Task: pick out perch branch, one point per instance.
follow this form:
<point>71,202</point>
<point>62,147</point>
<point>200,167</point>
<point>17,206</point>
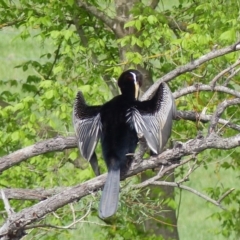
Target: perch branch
<point>34,213</point>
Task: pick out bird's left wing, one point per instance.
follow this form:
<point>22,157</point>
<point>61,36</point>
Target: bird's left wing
<point>153,118</point>
<point>87,126</point>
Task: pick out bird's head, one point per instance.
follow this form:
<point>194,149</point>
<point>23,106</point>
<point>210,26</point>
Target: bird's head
<point>129,82</point>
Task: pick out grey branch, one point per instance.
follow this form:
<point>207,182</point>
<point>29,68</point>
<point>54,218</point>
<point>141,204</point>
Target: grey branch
<point>31,194</point>
<point>50,145</point>
<point>196,116</point>
<point>229,69</point>
<point>220,108</point>
<point>190,66</point>
<point>29,215</point>
<point>203,87</point>
<point>173,184</point>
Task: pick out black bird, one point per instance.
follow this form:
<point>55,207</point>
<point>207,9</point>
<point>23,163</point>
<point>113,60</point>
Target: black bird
<point>119,123</point>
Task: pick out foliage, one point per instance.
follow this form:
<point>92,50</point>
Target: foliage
<point>82,52</point>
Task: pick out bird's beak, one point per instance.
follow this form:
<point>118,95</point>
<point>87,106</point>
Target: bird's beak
<point>136,89</point>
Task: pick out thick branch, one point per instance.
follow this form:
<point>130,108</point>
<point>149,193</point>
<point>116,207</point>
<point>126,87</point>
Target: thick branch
<point>36,212</point>
<point>31,194</point>
<point>190,66</point>
<point>50,145</point>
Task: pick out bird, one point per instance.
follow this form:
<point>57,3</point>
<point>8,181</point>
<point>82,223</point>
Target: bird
<point>119,123</point>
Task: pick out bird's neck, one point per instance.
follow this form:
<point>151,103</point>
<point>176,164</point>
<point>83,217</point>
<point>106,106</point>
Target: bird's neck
<point>129,97</point>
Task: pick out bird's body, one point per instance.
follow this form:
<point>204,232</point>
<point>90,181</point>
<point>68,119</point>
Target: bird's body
<point>118,124</point>
<point>118,136</point>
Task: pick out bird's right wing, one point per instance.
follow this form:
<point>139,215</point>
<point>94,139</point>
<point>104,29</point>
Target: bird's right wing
<point>87,125</point>
<point>153,118</point>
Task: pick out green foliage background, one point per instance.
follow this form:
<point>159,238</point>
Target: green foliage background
<point>44,62</point>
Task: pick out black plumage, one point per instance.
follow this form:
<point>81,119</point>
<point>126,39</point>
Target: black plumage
<point>118,123</point>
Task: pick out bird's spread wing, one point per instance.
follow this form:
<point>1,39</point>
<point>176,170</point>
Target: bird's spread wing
<point>153,118</point>
<point>87,125</point>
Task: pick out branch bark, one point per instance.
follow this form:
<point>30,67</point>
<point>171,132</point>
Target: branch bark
<point>50,145</point>
<point>190,66</point>
<point>29,215</point>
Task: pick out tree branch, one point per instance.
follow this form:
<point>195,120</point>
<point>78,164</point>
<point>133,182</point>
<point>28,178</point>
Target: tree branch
<point>202,87</point>
<point>50,145</point>
<point>97,13</point>
<point>220,108</point>
<point>190,66</point>
<point>229,69</point>
<point>29,215</point>
<point>173,184</point>
<point>195,116</point>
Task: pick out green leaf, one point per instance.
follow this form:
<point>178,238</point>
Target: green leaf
<point>73,155</point>
<point>49,94</point>
<point>129,24</point>
<point>138,24</point>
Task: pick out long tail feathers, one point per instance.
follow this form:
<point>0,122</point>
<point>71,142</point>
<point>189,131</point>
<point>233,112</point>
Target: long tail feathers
<point>109,200</point>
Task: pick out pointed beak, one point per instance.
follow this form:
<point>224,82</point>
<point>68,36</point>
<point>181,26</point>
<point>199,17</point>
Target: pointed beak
<point>136,89</point>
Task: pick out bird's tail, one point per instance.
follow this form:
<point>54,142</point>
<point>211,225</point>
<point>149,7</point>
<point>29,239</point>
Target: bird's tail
<point>109,200</point>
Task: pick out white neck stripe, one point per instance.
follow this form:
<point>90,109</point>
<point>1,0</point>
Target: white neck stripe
<point>134,77</point>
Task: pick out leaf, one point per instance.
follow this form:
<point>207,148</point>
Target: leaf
<point>129,24</point>
<point>138,24</point>
<point>49,94</point>
<point>152,19</point>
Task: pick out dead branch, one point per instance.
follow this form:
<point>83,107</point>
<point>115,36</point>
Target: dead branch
<point>190,66</point>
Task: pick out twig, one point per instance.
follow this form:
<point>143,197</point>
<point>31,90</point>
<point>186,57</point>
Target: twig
<point>173,184</point>
<point>7,206</point>
<point>215,79</point>
<point>160,174</point>
<point>220,108</point>
<point>231,76</point>
<point>225,195</point>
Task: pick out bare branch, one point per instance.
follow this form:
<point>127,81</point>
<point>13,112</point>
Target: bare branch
<point>225,195</point>
<point>229,69</point>
<point>29,215</point>
<point>7,206</point>
<point>203,87</point>
<point>220,108</point>
<point>235,72</point>
<point>173,184</point>
<point>50,145</point>
<point>190,66</point>
<point>195,116</point>
<point>31,194</point>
